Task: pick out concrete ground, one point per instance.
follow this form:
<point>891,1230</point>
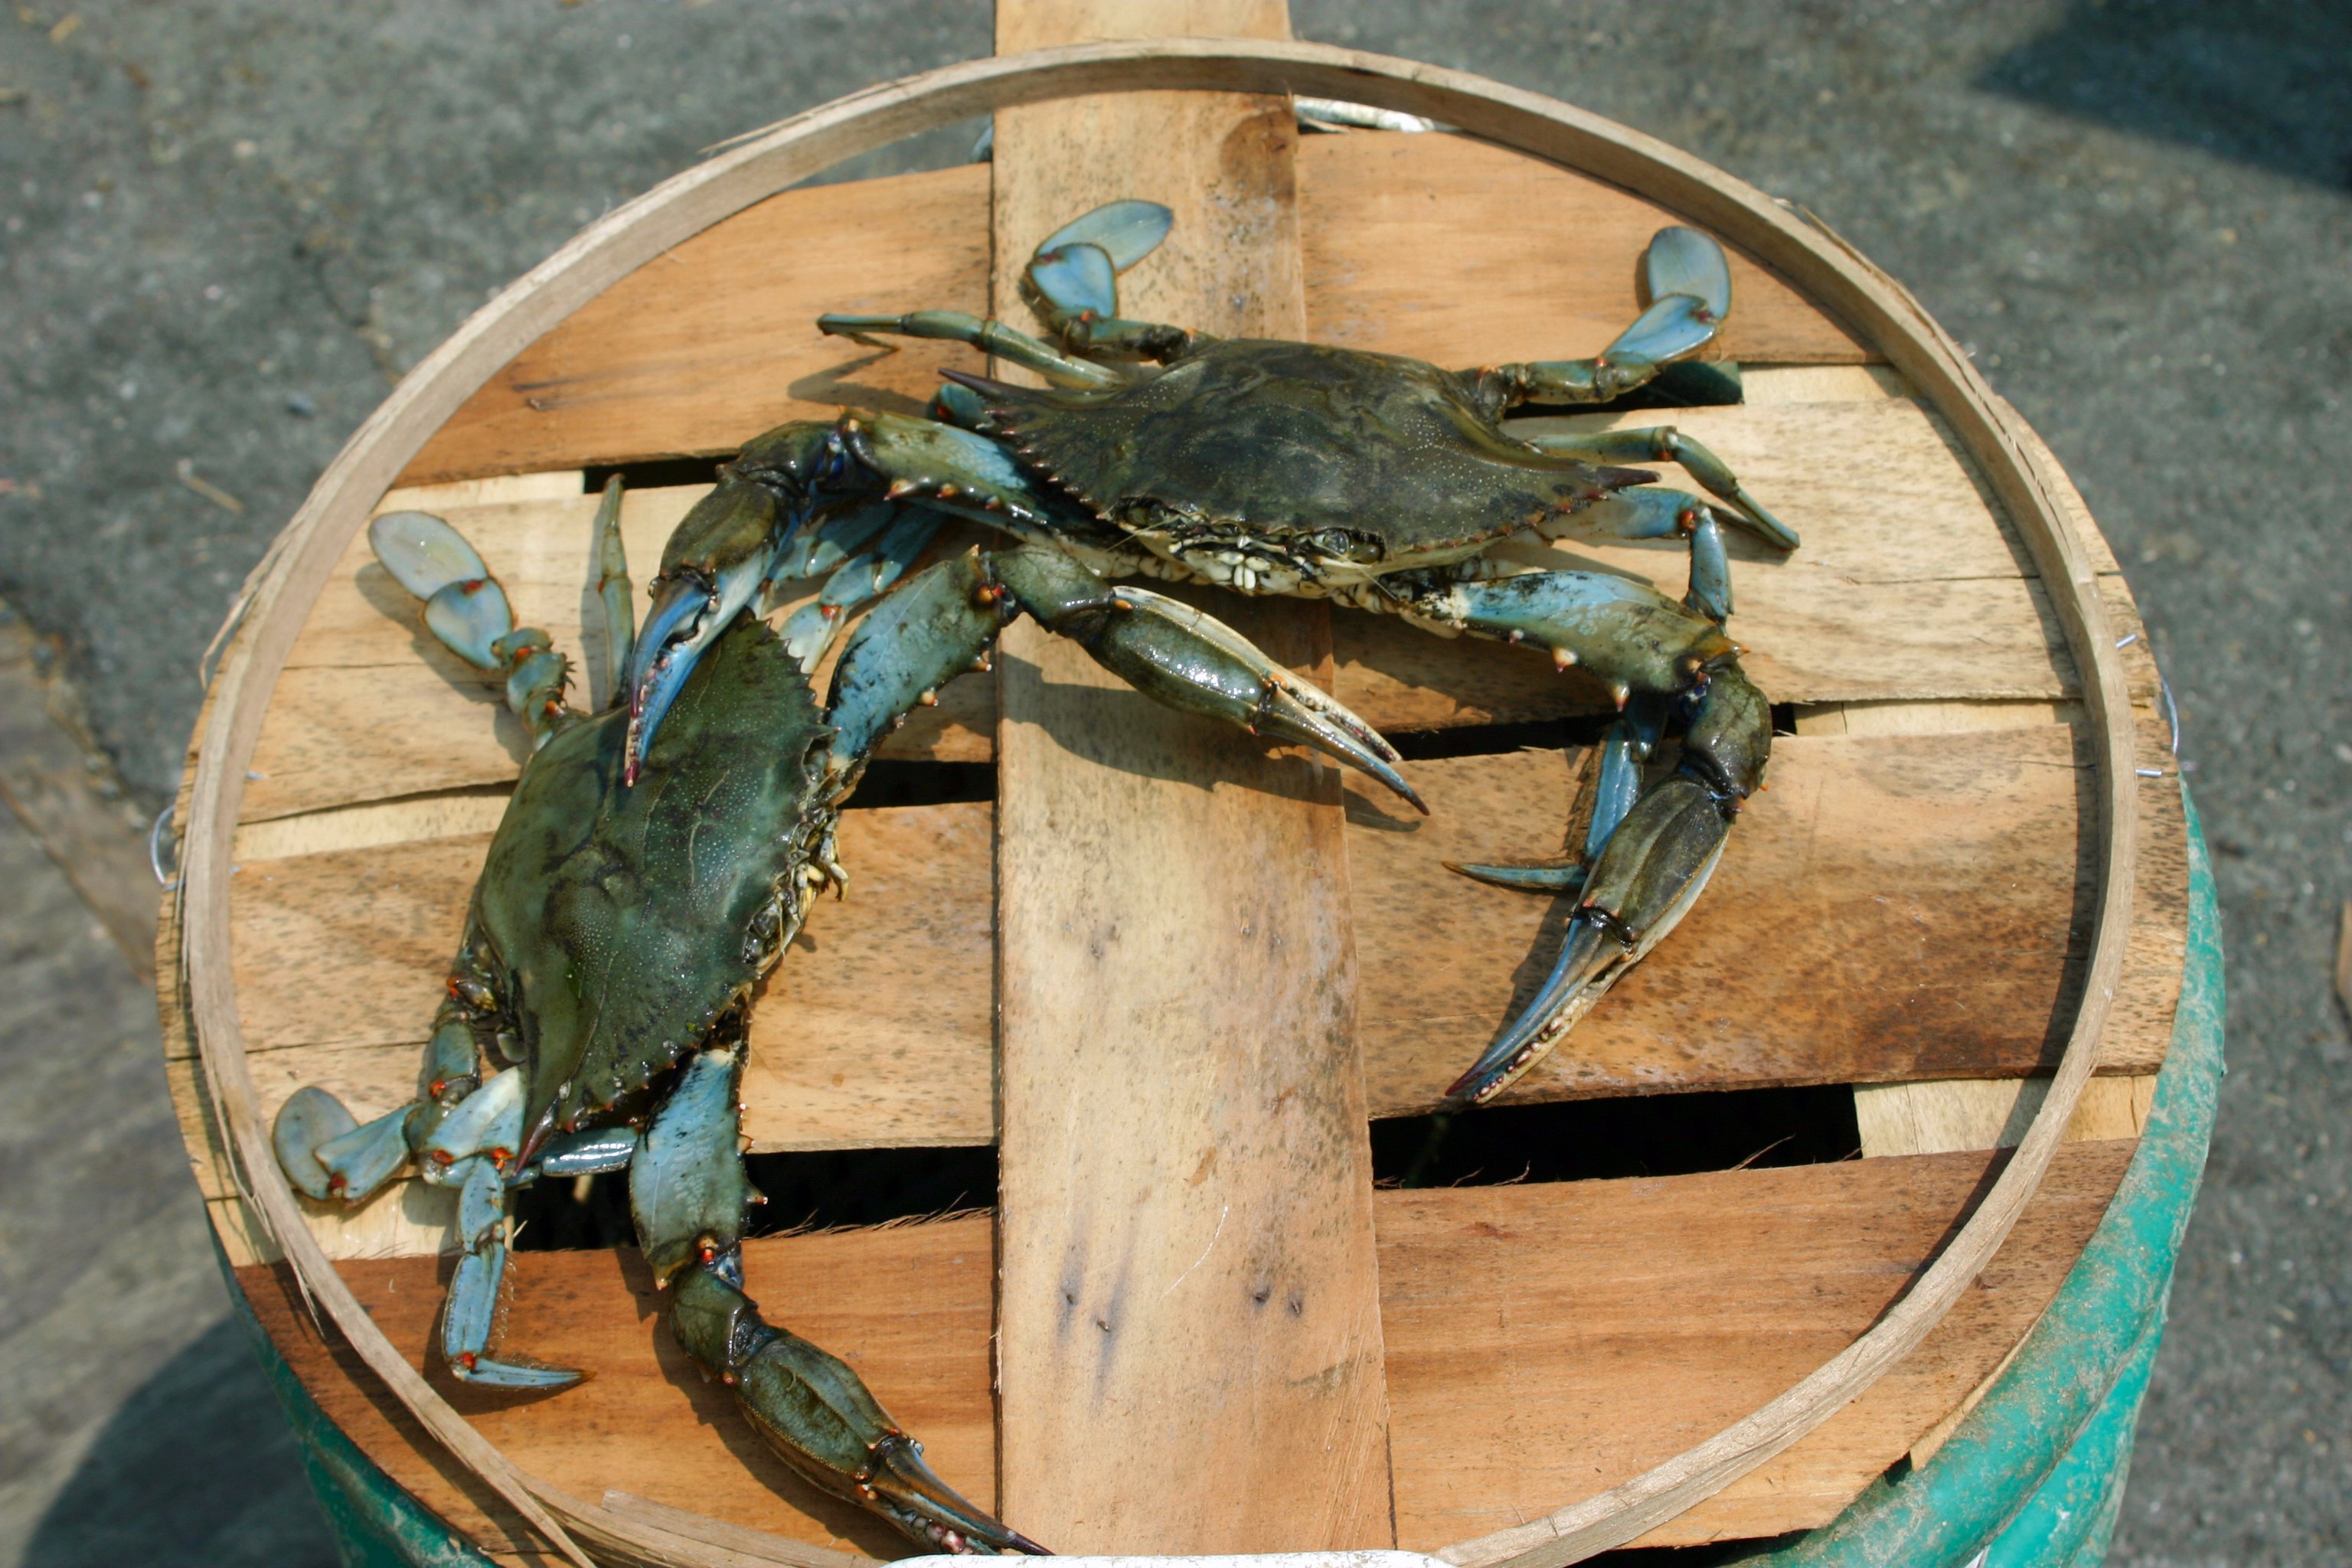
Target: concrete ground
<point>228,226</point>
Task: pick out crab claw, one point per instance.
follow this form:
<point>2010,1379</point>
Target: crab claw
<point>1192,661</point>
<point>712,568</point>
<point>817,1416</point>
<point>1188,659</point>
<point>1646,875</point>
<point>926,1506</point>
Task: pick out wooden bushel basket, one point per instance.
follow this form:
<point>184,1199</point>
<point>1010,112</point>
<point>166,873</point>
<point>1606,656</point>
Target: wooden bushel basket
<point>1171,977</point>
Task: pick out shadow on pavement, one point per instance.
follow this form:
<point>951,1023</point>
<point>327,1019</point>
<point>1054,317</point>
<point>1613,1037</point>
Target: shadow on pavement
<point>198,1466</point>
<point>2261,84</point>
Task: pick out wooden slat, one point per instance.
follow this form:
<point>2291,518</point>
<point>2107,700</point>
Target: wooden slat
<point>716,342</point>
<point>1908,587</point>
<point>1990,1113</point>
<point>604,254</point>
<point>908,1308</point>
<point>1464,253</point>
<point>372,706</point>
<point>1611,1319</point>
<point>1897,948</point>
<point>1188,1319</point>
<point>1546,1343</point>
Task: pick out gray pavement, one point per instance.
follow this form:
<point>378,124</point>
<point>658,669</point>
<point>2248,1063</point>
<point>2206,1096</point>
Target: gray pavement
<point>226,228</point>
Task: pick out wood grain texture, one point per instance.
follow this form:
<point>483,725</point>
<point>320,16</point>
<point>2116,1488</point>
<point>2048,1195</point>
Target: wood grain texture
<point>1510,258</point>
<point>1910,587</point>
<point>908,1308</point>
<point>1188,1311</point>
<point>1620,1321</point>
<point>705,347</point>
<point>372,706</point>
<point>1894,954</point>
<point>1613,1319</point>
<point>610,248</point>
<point>1989,1113</point>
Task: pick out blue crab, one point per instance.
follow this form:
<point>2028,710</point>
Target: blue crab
<point>659,855</point>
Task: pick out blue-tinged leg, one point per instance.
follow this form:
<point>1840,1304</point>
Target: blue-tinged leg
<point>466,610</point>
<point>1652,513</point>
<point>1072,282</point>
<point>991,336</point>
<point>689,1193</point>
<point>828,540</point>
<point>1649,859</point>
<point>1690,285</point>
<point>478,1137</point>
<point>860,580</point>
<point>612,587</point>
<point>754,523</point>
<point>469,1321</point>
<point>1664,444</point>
<point>326,1154</point>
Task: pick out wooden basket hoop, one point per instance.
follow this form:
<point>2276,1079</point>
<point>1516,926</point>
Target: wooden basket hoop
<point>758,166</point>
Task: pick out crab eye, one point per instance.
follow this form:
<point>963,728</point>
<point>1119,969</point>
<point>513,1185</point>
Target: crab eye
<point>1340,544</point>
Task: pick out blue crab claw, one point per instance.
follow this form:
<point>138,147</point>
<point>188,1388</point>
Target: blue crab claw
<point>688,613</point>
<point>1189,660</point>
<point>1647,878</point>
<point>817,1416</point>
<point>1125,232</point>
<point>1684,261</point>
<point>1526,877</point>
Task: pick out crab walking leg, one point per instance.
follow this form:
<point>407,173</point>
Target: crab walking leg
<point>982,333</point>
<point>1072,282</point>
<point>470,1144</point>
<point>613,586</point>
<point>788,494</point>
<point>860,580</point>
<point>466,610</point>
<point>1664,444</point>
<point>1689,286</point>
<point>324,1151</point>
<point>689,1193</point>
<point>1653,513</point>
<point>1645,868</point>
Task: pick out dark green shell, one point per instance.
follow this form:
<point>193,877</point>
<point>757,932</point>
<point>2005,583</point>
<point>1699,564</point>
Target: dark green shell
<point>618,918</point>
<point>1288,438</point>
